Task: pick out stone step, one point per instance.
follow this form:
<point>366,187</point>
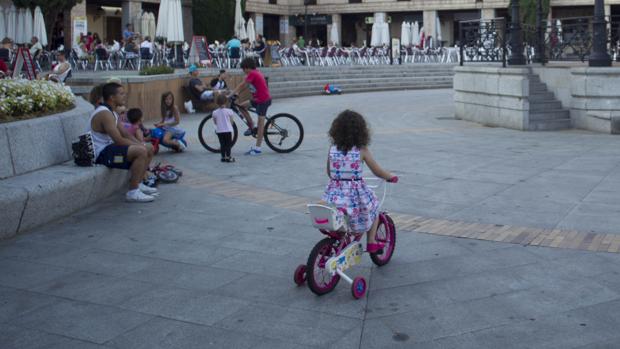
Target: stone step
<point>544,105</point>
<point>541,96</point>
<point>346,82</point>
<point>550,125</point>
<point>359,76</point>
<point>357,89</point>
<point>557,114</point>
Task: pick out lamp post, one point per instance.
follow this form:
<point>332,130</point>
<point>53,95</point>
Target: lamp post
<point>599,56</point>
<point>516,36</point>
<point>306,2</point>
<point>540,34</point>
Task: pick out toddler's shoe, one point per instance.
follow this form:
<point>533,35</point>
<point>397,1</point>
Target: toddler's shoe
<point>375,248</point>
<point>253,152</point>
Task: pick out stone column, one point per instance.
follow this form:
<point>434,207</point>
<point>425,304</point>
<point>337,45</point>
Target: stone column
<point>429,18</point>
<point>131,8</point>
<point>380,17</point>
<point>78,11</point>
<point>259,23</point>
<point>336,21</point>
<point>287,31</point>
<point>487,13</point>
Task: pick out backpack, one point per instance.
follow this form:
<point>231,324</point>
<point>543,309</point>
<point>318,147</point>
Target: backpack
<point>84,151</point>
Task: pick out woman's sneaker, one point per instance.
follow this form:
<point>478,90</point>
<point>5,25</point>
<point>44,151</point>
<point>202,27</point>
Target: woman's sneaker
<point>138,196</point>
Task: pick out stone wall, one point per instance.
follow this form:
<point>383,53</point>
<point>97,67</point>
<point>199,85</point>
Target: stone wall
<point>493,96</point>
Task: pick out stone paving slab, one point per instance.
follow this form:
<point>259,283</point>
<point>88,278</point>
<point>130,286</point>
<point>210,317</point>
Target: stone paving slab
<point>210,263</point>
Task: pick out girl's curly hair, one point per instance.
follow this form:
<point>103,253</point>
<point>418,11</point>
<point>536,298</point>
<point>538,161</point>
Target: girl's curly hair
<point>349,130</point>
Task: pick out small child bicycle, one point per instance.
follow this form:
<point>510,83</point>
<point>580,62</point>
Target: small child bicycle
<point>342,249</point>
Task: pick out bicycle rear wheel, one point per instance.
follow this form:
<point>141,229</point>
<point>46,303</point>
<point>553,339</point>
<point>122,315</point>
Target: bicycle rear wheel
<point>320,281</point>
<point>208,137</point>
<point>283,133</point>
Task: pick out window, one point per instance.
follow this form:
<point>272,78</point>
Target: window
<point>273,2</point>
<point>355,1</point>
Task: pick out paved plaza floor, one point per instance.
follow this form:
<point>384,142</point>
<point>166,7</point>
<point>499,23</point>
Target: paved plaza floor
<point>210,263</point>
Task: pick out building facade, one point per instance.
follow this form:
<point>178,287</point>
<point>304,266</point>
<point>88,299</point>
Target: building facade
<point>108,18</point>
<point>284,19</point>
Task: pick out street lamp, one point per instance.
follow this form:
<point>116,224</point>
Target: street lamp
<point>540,36</point>
<point>516,36</point>
<point>599,56</point>
<point>306,3</point>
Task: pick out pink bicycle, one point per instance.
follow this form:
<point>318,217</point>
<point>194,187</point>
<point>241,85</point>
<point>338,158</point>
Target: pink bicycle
<point>342,249</point>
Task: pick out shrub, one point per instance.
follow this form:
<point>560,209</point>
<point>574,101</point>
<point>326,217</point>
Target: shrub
<point>159,70</point>
<point>24,99</point>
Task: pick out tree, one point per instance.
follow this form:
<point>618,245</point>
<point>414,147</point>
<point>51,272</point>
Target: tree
<point>215,18</point>
<point>50,8</point>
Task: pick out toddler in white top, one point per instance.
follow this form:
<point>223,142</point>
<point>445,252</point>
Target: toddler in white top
<point>223,119</point>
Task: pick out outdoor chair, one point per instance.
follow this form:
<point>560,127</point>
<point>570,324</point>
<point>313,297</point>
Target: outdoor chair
<point>102,59</point>
<point>146,57</point>
<point>128,60</point>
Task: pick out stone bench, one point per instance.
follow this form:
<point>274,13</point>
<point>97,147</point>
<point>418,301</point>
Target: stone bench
<point>38,180</point>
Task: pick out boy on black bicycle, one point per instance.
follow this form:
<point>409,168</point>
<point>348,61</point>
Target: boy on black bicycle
<point>261,100</point>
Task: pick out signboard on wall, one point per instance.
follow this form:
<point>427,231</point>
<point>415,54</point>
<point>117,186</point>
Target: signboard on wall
<point>312,20</point>
<point>80,27</point>
<point>284,26</point>
<point>371,20</point>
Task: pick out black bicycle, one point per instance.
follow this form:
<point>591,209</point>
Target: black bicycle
<point>283,132</point>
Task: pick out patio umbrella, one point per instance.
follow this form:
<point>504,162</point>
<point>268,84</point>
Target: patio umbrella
<point>144,24</point>
<point>251,31</point>
<point>375,36</point>
<point>11,23</point>
<point>39,27</point>
<point>385,34</point>
<point>2,23</point>
<point>335,39</point>
<point>438,31</point>
<point>152,25</point>
<point>558,24</point>
<point>405,34</point>
<point>170,23</point>
<point>415,34</point>
<point>28,24</point>
<point>244,33</point>
<point>239,21</point>
<point>137,23</point>
<point>19,29</point>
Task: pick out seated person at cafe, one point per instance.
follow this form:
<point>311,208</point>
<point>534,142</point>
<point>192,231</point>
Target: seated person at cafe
<point>197,87</point>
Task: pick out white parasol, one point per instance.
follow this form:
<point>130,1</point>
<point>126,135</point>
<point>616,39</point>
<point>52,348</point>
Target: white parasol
<point>244,33</point>
<point>39,27</point>
<point>28,24</point>
<point>251,31</point>
<point>405,34</point>
<point>375,37</point>
<point>385,34</point>
<point>558,24</point>
<point>438,32</point>
<point>2,23</point>
<point>335,39</point>
<point>11,23</point>
<point>152,25</point>
<point>170,24</point>
<point>144,24</point>
<point>415,34</point>
<point>239,21</point>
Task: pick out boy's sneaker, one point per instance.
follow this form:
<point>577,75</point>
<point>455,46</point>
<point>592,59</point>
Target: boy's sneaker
<point>150,182</point>
<point>253,152</point>
<point>146,189</point>
<point>138,196</point>
<point>182,144</point>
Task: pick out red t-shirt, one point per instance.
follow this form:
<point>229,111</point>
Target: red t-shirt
<point>258,86</point>
<point>3,67</point>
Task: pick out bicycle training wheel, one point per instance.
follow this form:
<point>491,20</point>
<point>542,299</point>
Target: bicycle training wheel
<point>386,234</point>
<point>320,281</point>
<point>208,137</point>
<point>283,133</point>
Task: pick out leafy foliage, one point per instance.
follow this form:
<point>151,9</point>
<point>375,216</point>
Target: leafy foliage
<point>215,18</point>
<point>528,11</point>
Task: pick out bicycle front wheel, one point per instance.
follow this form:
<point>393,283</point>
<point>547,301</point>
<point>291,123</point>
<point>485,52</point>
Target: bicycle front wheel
<point>208,137</point>
<point>283,133</point>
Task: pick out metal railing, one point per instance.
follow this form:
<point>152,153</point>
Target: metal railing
<point>483,41</point>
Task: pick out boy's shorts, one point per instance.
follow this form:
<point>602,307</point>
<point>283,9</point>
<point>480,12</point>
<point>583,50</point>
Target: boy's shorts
<point>261,108</point>
<point>114,156</point>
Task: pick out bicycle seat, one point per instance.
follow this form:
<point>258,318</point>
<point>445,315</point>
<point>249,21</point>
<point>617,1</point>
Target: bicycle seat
<point>327,217</point>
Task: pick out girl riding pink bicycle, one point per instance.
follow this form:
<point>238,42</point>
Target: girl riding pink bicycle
<point>351,210</point>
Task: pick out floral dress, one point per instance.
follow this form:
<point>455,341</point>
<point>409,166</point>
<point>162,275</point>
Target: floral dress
<point>347,189</point>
